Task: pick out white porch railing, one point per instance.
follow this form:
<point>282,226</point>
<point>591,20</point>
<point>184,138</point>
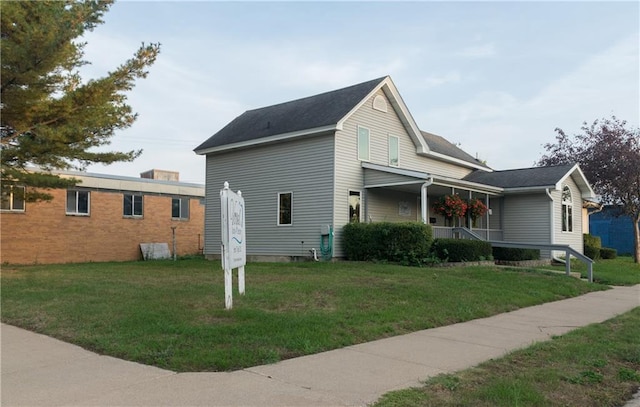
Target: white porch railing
<point>442,232</point>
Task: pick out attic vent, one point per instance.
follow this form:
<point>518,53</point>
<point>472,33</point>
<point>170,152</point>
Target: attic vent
<point>380,104</point>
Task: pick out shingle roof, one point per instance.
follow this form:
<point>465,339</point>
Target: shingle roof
<point>307,113</point>
<point>440,145</point>
<point>521,178</point>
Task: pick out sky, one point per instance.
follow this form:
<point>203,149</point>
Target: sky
<point>495,78</point>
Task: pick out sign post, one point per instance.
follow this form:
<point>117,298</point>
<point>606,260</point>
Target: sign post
<point>233,250</point>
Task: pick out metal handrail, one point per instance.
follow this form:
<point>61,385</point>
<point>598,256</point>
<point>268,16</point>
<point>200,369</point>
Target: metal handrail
<point>569,251</point>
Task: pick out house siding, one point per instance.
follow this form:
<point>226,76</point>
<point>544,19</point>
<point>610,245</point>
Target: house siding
<point>526,218</point>
<point>350,174</point>
<point>303,167</point>
<point>384,206</point>
<point>45,234</point>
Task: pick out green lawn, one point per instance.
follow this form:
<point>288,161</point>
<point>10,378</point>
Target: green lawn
<point>171,314</point>
<point>619,271</point>
<point>595,366</point>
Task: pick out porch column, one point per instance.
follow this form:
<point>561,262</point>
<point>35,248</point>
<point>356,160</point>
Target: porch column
<point>424,201</point>
<point>486,202</point>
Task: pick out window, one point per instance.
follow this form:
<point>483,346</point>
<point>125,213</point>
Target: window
<point>567,210</point>
<point>285,208</point>
<point>354,206</point>
<point>394,151</point>
<point>77,202</point>
<point>12,198</point>
<point>363,144</point>
<point>132,205</point>
<point>180,208</point>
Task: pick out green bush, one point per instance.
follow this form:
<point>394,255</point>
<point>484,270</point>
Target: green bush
<point>592,252</point>
<point>457,250</point>
<point>515,254</point>
<point>608,253</point>
<point>591,240</point>
<point>407,243</point>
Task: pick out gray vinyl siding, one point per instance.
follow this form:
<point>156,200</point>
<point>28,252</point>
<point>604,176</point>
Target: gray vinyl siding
<point>574,238</point>
<point>527,218</point>
<point>348,170</point>
<point>384,206</point>
<point>304,167</point>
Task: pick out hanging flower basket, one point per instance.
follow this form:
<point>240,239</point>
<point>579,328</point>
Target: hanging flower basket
<point>476,209</point>
<point>450,206</point>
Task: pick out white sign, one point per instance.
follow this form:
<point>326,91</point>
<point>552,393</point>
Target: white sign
<point>233,250</point>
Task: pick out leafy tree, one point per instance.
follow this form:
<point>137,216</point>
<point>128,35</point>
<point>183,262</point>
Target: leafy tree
<point>51,119</point>
<point>609,154</point>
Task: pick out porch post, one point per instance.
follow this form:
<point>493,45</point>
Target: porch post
<point>424,201</point>
<point>486,202</point>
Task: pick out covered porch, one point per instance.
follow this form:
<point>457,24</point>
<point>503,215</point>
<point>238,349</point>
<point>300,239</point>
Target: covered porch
<point>395,195</point>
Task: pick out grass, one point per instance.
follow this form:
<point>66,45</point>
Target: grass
<point>619,271</point>
<point>598,365</point>
<point>171,314</point>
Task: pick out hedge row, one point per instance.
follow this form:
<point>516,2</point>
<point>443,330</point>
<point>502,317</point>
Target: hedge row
<point>457,250</point>
<point>515,254</point>
<point>407,243</point>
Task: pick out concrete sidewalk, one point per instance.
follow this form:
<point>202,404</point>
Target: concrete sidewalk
<point>41,371</point>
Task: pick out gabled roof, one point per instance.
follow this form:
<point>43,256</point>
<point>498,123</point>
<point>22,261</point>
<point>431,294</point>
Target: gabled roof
<point>327,112</point>
<point>439,145</point>
<point>533,178</point>
<point>310,113</point>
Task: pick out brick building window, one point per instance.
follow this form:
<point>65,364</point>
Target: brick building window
<point>77,202</point>
<point>12,198</point>
<point>132,206</point>
<point>180,208</point>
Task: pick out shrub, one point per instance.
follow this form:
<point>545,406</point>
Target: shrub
<point>407,243</point>
<point>591,240</point>
<point>592,252</point>
<point>608,253</point>
<point>456,250</point>
<point>515,254</point>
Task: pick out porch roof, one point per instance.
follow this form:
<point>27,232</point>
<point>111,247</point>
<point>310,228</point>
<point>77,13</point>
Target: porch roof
<point>380,176</point>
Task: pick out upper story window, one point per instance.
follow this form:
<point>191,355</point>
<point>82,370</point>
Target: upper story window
<point>363,144</point>
<point>180,208</point>
<point>77,202</point>
<point>285,209</point>
<point>394,151</point>
<point>132,205</point>
<point>12,198</point>
<point>567,210</point>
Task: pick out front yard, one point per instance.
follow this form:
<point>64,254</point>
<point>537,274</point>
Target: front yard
<point>171,314</point>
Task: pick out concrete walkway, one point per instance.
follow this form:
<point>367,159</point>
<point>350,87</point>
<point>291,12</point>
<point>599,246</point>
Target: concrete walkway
<point>41,371</point>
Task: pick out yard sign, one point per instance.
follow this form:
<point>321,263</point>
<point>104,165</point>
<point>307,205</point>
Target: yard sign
<point>234,253</point>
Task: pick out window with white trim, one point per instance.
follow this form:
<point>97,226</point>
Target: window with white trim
<point>355,203</point>
<point>12,198</point>
<point>285,209</point>
<point>132,205</point>
<point>394,151</point>
<point>180,208</point>
<point>363,144</point>
<point>567,210</point>
<point>77,202</point>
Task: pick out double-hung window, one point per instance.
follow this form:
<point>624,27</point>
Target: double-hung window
<point>77,202</point>
<point>12,198</point>
<point>394,151</point>
<point>285,209</point>
<point>567,210</point>
<point>180,208</point>
<point>364,153</point>
<point>132,205</point>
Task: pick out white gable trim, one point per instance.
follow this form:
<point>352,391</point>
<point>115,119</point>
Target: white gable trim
<point>399,107</point>
<point>586,191</point>
<point>457,161</point>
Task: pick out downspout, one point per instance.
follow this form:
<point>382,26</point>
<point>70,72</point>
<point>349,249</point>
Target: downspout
<point>423,199</point>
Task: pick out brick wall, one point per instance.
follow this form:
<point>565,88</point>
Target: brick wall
<point>43,233</point>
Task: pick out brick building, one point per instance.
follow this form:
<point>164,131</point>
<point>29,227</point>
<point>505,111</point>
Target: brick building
<point>103,218</point>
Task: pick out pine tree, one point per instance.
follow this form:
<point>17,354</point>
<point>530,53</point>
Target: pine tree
<point>51,118</point>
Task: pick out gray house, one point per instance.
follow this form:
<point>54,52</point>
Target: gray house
<point>308,167</point>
